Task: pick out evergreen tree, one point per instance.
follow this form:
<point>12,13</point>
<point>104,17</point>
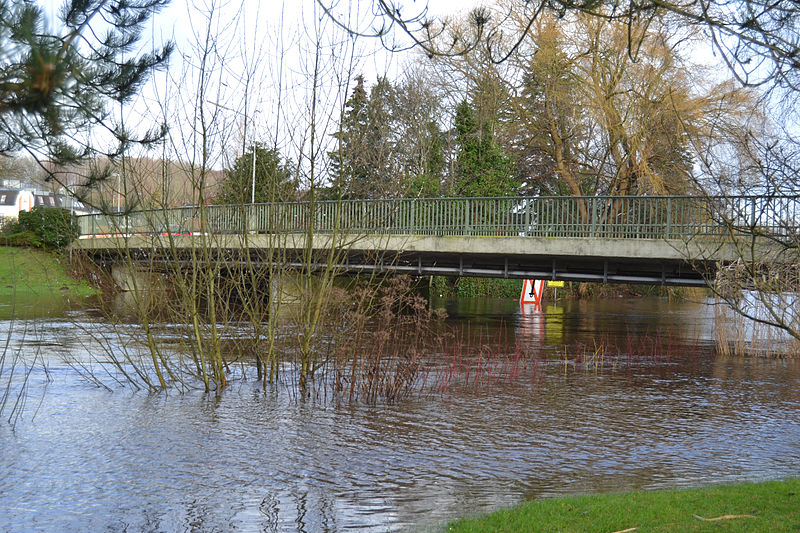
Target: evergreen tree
<point>418,146</point>
<point>427,182</point>
<point>482,167</point>
<point>347,166</point>
<point>274,181</point>
<point>362,165</point>
<point>57,87</point>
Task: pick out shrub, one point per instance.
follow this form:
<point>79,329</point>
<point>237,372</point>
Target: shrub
<point>13,236</point>
<point>54,228</point>
<point>476,287</point>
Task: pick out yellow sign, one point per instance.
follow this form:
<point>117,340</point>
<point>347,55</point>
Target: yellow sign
<point>555,283</point>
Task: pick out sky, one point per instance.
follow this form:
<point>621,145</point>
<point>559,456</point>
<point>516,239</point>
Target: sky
<point>250,67</point>
<point>259,83</point>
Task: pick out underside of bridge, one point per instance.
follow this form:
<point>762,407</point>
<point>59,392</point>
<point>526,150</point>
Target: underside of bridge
<point>587,269</point>
<point>640,262</point>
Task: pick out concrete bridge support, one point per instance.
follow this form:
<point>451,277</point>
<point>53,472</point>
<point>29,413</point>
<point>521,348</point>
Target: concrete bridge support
<point>289,289</point>
<point>130,279</point>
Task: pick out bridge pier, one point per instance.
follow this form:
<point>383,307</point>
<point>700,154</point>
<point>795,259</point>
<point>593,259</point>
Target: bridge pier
<point>131,279</point>
<point>288,289</point>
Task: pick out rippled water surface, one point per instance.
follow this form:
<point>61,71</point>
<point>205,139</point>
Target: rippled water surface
<point>85,458</point>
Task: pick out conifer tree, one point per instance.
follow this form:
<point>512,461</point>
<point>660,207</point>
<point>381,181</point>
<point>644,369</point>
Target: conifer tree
<point>362,165</point>
<point>274,181</point>
<point>58,88</point>
<point>347,166</point>
<point>483,168</point>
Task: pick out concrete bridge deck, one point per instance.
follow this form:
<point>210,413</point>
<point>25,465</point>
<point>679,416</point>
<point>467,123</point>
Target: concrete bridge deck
<point>655,240</point>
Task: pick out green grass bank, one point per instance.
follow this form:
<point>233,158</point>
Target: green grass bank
<point>768,507</point>
<point>30,272</point>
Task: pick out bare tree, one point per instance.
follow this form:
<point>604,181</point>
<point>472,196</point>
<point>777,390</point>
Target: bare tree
<point>758,40</point>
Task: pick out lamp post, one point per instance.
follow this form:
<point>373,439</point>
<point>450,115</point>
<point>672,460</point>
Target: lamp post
<point>253,189</point>
<point>253,144</point>
<point>253,141</point>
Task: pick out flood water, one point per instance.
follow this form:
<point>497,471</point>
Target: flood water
<point>659,412</point>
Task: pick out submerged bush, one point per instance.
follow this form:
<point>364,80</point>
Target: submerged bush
<point>476,287</point>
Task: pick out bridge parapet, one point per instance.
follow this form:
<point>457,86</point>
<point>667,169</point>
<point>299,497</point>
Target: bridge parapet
<point>661,240</point>
<point>603,217</point>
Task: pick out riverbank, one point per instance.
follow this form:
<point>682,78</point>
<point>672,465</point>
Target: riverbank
<point>29,272</point>
<point>769,506</point>
<point>450,287</point>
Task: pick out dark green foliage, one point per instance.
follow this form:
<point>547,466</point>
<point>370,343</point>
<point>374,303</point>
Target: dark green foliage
<point>42,227</point>
<point>57,85</point>
<point>423,186</point>
<point>362,164</point>
<point>476,287</point>
<point>12,236</point>
<point>349,167</point>
<point>483,168</point>
<point>275,181</point>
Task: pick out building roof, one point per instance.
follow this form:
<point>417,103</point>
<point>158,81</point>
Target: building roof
<point>9,196</point>
<point>47,200</point>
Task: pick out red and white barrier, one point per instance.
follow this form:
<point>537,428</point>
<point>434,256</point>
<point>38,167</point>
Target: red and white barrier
<point>532,290</point>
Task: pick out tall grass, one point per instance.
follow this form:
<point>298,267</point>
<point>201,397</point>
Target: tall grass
<point>483,361</point>
<point>737,335</point>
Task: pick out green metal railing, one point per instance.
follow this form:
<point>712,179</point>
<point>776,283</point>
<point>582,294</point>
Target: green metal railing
<point>629,217</point>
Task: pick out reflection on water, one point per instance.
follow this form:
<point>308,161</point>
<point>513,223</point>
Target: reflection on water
<point>26,304</point>
<point>250,459</point>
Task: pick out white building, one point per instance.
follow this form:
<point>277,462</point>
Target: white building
<point>12,201</point>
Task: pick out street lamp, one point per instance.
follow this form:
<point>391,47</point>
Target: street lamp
<point>253,144</point>
<point>253,140</point>
<point>253,189</point>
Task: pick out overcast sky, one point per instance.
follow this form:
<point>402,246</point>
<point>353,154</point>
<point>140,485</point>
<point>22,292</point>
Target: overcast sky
<point>261,64</point>
<point>276,42</point>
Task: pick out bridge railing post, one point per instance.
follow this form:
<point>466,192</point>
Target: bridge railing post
<point>411,220</point>
<point>527,219</point>
<point>468,217</point>
<point>668,231</point>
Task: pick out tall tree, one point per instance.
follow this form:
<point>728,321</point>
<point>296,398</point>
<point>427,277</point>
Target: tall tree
<point>418,148</point>
<point>274,181</point>
<point>546,120</point>
<point>482,167</point>
<point>363,164</point>
<point>644,111</point>
<point>588,120</point>
<point>56,88</point>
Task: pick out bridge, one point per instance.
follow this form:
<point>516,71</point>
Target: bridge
<point>666,240</point>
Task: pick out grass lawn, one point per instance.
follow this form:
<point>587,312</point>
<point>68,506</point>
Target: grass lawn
<point>37,273</point>
<point>769,506</point>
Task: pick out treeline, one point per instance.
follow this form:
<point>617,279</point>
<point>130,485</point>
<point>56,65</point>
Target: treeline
<point>585,106</point>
